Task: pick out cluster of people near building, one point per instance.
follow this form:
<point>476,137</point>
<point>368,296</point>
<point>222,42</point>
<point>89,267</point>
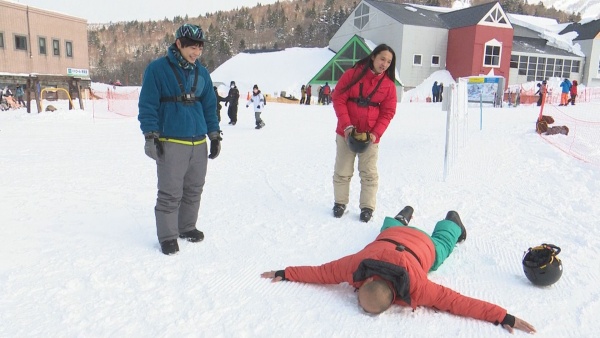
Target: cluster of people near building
<point>10,100</point>
<point>436,91</point>
<point>568,92</point>
<point>324,94</point>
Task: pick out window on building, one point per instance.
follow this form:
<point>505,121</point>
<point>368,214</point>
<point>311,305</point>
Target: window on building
<point>69,49</point>
<point>523,59</point>
<point>492,54</point>
<point>1,40</point>
<point>514,61</point>
<point>361,16</point>
<point>575,67</point>
<point>435,60</point>
<point>42,44</point>
<point>417,60</point>
<point>55,47</point>
<point>20,42</point>
<point>497,17</point>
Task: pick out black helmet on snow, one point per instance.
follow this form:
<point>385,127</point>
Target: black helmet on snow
<point>359,142</point>
<point>541,265</point>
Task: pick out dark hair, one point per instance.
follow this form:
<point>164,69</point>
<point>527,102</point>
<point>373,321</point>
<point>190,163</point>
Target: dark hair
<point>187,42</point>
<point>390,72</point>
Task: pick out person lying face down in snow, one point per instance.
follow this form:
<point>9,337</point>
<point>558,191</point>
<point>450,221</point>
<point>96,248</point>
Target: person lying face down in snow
<point>393,270</point>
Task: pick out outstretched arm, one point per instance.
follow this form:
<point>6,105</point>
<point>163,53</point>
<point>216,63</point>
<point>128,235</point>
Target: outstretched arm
<point>334,272</point>
<point>443,298</point>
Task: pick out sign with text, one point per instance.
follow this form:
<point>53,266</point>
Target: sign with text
<point>78,72</point>
<point>483,88</point>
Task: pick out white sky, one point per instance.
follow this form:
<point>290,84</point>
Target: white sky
<point>80,258</point>
<point>128,10</point>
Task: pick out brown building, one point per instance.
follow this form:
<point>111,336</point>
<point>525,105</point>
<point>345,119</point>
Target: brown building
<point>37,41</point>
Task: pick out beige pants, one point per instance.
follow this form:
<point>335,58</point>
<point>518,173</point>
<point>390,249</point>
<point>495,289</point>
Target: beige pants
<point>367,171</point>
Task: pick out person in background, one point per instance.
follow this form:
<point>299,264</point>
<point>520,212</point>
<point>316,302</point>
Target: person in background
<point>326,94</point>
<point>19,93</point>
<point>435,91</point>
<point>302,94</point>
<point>440,91</point>
<point>393,270</point>
<point>233,98</point>
<point>176,113</point>
<point>565,87</point>
<point>364,102</point>
<point>542,91</point>
<point>258,101</point>
<point>219,100</point>
<point>308,94</point>
<point>573,92</point>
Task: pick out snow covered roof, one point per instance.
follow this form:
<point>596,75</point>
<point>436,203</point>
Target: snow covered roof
<point>586,31</point>
<point>537,46</point>
<point>466,17</point>
<point>408,14</point>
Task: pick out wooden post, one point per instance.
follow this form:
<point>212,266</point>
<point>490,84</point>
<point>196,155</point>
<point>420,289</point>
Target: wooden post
<point>79,94</point>
<point>29,95</point>
<point>70,86</point>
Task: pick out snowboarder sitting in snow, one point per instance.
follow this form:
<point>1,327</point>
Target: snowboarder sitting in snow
<point>393,270</point>
<point>259,101</point>
<point>542,126</point>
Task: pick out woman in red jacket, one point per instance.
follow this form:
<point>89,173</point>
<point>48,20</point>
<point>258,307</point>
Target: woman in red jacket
<point>364,102</point>
<point>393,270</point>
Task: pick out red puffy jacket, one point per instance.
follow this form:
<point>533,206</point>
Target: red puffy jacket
<point>366,119</point>
<point>423,292</point>
<point>574,88</point>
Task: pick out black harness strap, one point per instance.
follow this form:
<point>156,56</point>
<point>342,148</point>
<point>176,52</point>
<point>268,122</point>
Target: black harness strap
<point>400,247</point>
<point>367,100</point>
<point>180,98</point>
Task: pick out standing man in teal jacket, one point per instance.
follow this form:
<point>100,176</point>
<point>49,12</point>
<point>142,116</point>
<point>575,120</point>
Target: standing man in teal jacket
<point>177,110</point>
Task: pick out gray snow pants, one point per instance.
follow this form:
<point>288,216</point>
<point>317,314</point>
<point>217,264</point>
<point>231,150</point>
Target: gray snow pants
<point>181,171</point>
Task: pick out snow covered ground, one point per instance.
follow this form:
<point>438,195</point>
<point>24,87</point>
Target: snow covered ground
<point>80,257</point>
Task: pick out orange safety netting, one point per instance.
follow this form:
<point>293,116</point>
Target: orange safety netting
<point>583,138</point>
<point>528,96</point>
<point>120,101</point>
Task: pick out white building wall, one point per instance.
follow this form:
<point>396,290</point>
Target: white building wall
<point>427,42</point>
<point>591,74</point>
<point>416,40</point>
<point>380,29</point>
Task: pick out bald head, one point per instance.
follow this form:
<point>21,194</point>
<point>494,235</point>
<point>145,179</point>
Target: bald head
<point>375,296</point>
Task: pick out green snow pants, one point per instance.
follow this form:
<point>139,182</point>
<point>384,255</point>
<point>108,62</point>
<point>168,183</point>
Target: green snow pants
<point>444,238</point>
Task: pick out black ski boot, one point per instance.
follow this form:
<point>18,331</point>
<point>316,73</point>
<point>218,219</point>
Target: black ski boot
<point>366,214</point>
<point>405,215</point>
<point>453,216</point>
<point>169,247</point>
<point>192,235</point>
<point>338,210</point>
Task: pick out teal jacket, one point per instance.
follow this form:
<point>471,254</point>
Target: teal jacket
<point>176,119</point>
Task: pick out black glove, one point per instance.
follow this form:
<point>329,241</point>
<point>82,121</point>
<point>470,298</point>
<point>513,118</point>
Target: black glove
<point>215,144</point>
<point>153,147</point>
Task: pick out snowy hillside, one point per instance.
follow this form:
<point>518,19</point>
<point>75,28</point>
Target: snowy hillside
<point>589,9</point>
